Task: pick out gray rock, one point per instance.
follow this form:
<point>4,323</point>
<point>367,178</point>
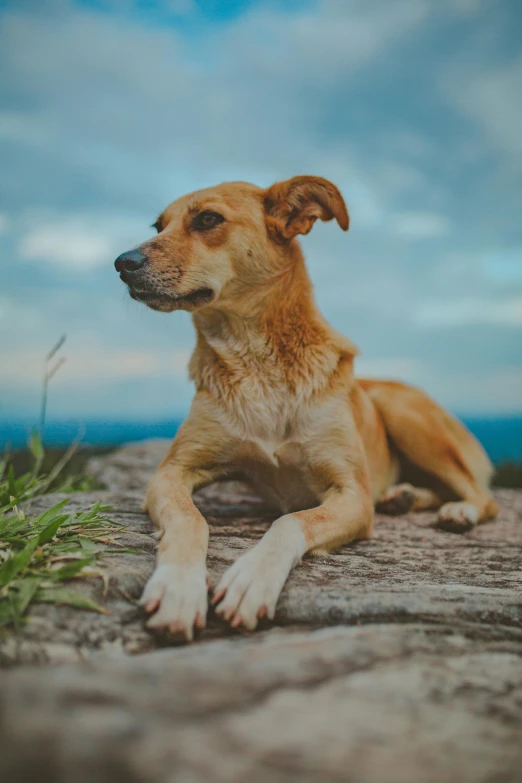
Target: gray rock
<point>417,679</point>
<point>129,467</point>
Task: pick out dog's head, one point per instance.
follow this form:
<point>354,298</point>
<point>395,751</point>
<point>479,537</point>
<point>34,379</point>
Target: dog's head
<point>214,244</point>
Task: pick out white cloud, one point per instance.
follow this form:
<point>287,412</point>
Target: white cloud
<point>254,83</point>
<point>492,99</point>
<point>462,312</point>
<point>71,246</point>
<point>26,317</point>
<point>381,295</point>
<point>495,392</point>
<point>498,391</point>
<point>420,225</point>
<point>337,36</point>
<point>91,365</point>
<point>407,369</point>
<point>80,242</point>
<point>503,266</point>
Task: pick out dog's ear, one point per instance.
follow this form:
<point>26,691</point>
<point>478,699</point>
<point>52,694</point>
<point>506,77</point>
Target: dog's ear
<point>293,206</point>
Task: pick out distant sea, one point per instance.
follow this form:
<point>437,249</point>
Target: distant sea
<point>500,436</point>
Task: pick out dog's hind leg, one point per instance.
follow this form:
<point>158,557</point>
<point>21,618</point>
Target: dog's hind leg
<point>433,440</point>
<point>402,498</point>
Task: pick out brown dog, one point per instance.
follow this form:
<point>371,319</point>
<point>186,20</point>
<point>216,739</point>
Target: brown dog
<point>277,403</point>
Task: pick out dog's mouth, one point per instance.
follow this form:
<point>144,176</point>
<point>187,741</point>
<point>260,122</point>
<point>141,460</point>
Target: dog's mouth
<point>168,302</point>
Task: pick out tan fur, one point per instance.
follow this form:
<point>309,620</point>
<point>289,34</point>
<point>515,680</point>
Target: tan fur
<point>277,403</point>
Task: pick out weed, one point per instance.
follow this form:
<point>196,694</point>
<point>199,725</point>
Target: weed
<point>39,553</point>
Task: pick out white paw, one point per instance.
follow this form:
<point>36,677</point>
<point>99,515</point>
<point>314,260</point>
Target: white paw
<point>178,596</point>
<point>457,517</point>
<point>249,589</point>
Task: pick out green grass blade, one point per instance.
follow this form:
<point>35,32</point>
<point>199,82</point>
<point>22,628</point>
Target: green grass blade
<point>47,516</point>
<point>23,591</point>
<point>11,482</point>
<point>36,446</point>
<point>7,613</point>
<point>16,563</point>
<point>70,570</point>
<point>61,595</point>
<point>88,544</point>
<point>50,531</point>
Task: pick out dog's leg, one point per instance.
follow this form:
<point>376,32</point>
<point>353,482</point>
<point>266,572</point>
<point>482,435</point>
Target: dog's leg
<point>249,589</point>
<point>402,498</point>
<point>439,444</point>
<point>177,590</point>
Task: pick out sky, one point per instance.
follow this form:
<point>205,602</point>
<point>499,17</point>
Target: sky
<point>110,110</point>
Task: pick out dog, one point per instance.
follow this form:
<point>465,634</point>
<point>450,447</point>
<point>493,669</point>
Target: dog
<point>277,404</point>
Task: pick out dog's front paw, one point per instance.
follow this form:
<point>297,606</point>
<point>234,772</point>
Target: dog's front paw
<point>178,596</point>
<point>249,589</point>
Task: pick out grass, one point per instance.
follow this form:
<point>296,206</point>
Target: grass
<point>40,553</point>
<point>68,475</point>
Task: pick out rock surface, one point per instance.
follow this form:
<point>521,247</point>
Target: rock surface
<point>395,660</point>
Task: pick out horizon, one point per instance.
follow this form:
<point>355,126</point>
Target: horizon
<point>501,436</point>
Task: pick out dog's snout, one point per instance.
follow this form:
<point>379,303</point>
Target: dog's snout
<point>130,261</point>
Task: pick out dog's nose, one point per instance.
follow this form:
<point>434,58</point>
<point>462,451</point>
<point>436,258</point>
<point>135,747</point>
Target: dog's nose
<point>130,261</point>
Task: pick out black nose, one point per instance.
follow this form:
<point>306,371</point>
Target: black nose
<point>130,261</point>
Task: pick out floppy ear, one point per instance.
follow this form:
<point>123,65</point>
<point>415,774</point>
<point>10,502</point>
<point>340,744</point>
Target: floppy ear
<point>293,206</point>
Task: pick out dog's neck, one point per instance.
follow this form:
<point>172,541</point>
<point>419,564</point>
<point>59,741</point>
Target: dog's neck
<point>274,330</point>
<point>275,316</point>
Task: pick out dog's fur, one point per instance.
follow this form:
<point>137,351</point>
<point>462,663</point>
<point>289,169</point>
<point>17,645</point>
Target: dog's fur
<point>278,404</point>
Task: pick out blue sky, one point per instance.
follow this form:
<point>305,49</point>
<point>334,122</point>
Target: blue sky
<point>109,110</point>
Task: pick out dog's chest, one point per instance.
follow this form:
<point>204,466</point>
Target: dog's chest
<point>279,472</point>
<point>269,421</point>
<point>262,406</point>
<point>269,428</point>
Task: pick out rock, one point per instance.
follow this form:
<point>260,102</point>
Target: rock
<point>415,673</point>
<point>129,467</point>
<point>379,704</point>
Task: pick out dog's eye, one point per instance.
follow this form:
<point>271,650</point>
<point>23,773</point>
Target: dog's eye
<point>207,219</point>
<point>157,225</point>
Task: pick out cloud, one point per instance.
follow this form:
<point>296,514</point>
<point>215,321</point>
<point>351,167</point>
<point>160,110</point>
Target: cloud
<point>26,317</point>
<point>334,38</point>
<point>496,392</point>
<point>147,104</point>
<point>90,365</point>
<point>503,266</point>
<point>97,141</point>
<point>463,311</point>
<point>466,7</point>
<point>70,246</point>
<point>80,242</point>
<point>407,369</point>
<point>491,97</point>
<point>181,7</point>
<point>420,225</point>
